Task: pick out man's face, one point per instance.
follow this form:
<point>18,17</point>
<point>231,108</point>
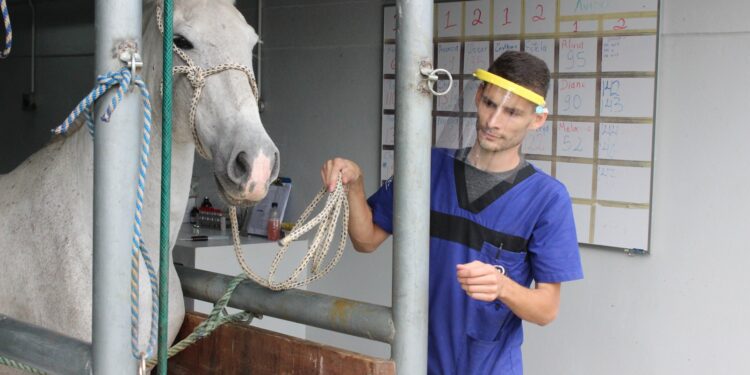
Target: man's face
<point>504,119</point>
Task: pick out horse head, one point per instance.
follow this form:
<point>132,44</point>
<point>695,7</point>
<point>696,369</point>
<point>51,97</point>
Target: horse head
<point>214,47</point>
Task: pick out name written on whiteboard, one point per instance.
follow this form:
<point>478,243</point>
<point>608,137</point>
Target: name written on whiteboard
<point>591,5</point>
<point>566,84</point>
<point>571,43</point>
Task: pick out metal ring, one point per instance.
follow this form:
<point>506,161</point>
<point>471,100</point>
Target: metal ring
<point>500,268</point>
<point>432,77</point>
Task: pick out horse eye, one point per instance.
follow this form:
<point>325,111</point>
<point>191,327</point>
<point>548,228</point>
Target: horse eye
<point>181,42</point>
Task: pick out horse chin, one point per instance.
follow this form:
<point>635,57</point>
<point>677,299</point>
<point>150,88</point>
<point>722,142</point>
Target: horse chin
<point>236,196</point>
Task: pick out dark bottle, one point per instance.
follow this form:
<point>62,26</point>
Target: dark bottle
<point>206,202</point>
<point>194,215</point>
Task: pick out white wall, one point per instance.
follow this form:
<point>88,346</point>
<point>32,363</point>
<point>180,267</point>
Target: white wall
<point>682,309</point>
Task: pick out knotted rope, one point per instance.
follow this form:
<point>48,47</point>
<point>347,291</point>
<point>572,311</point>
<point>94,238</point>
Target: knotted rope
<point>20,366</point>
<point>8,30</point>
<point>123,79</point>
<point>197,77</point>
<point>326,219</point>
<point>217,317</point>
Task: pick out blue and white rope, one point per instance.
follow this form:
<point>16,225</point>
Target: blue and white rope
<point>8,30</point>
<point>122,79</point>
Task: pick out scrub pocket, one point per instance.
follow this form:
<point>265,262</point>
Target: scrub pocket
<point>485,357</point>
<point>514,263</point>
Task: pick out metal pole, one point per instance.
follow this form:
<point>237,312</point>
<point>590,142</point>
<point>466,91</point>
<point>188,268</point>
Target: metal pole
<point>319,310</point>
<point>412,187</point>
<point>116,148</point>
<point>46,350</point>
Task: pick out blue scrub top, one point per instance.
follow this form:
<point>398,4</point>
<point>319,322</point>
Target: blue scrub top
<point>526,226</point>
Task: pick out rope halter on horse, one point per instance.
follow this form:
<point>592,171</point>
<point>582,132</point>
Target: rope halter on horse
<point>197,78</point>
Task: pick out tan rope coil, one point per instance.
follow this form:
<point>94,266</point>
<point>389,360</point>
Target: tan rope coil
<point>326,220</point>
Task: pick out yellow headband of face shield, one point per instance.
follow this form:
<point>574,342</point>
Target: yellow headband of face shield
<point>512,88</point>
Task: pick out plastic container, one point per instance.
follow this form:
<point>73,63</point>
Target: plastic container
<point>274,223</point>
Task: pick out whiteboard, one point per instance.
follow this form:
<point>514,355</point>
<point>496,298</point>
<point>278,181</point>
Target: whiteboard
<point>598,139</point>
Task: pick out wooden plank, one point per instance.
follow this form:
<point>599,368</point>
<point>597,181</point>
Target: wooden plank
<point>241,349</point>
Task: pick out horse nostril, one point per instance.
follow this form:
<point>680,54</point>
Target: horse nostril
<point>240,169</point>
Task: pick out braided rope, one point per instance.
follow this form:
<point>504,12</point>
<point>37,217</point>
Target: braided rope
<point>217,318</point>
<point>122,79</point>
<point>197,78</point>
<point>326,220</point>
<point>20,366</point>
<point>8,30</point>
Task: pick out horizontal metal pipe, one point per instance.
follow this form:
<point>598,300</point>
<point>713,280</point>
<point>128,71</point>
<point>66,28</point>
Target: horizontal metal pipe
<point>355,318</point>
<point>43,349</point>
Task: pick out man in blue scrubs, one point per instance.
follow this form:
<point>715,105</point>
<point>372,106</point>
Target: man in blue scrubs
<point>496,224</point>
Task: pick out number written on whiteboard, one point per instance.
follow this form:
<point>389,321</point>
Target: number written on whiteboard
<point>611,100</point>
<point>571,102</point>
<point>448,23</point>
<point>620,25</point>
<point>506,12</point>
<point>539,14</point>
<point>477,17</point>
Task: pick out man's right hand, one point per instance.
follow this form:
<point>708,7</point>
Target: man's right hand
<point>350,173</point>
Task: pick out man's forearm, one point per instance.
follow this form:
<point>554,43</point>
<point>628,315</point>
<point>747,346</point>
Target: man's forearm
<point>539,305</point>
<point>364,234</point>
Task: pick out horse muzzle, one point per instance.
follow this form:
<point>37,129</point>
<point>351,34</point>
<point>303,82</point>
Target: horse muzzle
<point>247,177</point>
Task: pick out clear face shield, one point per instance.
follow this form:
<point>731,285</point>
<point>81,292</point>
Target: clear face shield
<point>490,142</point>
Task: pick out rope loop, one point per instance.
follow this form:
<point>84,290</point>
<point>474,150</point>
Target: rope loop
<point>327,221</point>
<point>123,79</point>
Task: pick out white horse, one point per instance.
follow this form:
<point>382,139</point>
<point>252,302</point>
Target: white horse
<point>46,220</point>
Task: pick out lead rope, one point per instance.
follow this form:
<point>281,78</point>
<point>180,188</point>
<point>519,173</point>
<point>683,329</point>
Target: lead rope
<point>122,80</point>
<point>326,219</point>
<point>8,30</point>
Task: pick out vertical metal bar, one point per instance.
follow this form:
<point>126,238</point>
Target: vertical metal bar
<point>166,183</point>
<point>116,148</point>
<point>33,48</point>
<point>259,46</point>
<point>412,187</point>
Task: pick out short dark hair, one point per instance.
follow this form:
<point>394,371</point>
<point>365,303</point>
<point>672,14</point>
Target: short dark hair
<point>524,69</point>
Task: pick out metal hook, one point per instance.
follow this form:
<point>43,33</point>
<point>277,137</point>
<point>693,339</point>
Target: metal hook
<point>132,60</point>
<point>432,77</point>
<point>142,365</point>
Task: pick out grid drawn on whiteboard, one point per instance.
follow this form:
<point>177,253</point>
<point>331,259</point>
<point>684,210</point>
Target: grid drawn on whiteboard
<point>598,139</point>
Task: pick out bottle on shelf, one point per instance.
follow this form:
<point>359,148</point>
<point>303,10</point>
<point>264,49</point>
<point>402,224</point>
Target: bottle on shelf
<point>274,223</point>
<point>206,203</point>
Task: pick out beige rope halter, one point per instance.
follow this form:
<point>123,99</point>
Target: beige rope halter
<point>197,77</point>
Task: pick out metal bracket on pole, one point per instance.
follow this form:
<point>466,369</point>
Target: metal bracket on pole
<point>431,76</point>
<point>127,52</point>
